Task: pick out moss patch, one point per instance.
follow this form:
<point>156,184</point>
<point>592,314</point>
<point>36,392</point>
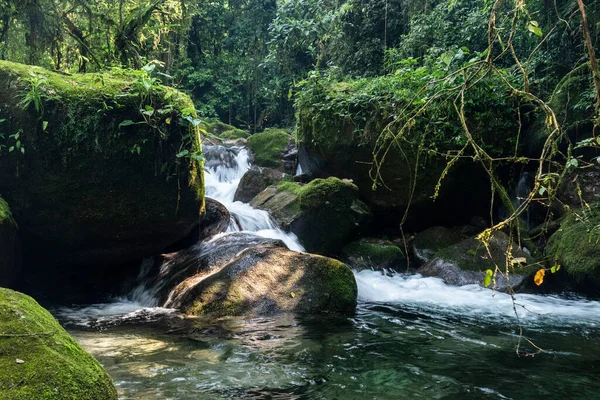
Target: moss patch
<point>6,216</point>
<point>268,147</point>
<point>576,245</point>
<point>223,130</point>
<point>50,365</point>
<point>372,253</point>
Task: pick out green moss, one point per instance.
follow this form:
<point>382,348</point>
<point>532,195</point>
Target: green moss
<point>330,192</point>
<point>376,253</point>
<point>6,216</point>
<point>268,147</point>
<point>576,245</point>
<point>338,282</point>
<point>223,130</point>
<point>51,364</point>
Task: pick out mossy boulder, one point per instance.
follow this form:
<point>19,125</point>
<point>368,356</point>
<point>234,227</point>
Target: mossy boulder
<point>39,360</point>
<point>214,127</point>
<point>255,180</point>
<point>269,147</point>
<point>431,240</point>
<point>576,245</point>
<point>325,213</point>
<point>373,253</point>
<point>465,263</point>
<point>268,280</point>
<point>10,249</point>
<point>90,178</point>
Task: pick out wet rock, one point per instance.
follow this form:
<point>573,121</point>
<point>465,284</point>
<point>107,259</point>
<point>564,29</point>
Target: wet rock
<point>270,280</point>
<point>430,241</point>
<point>10,249</point>
<point>372,253</point>
<point>41,360</point>
<point>215,221</point>
<point>270,147</point>
<point>324,214</point>
<point>255,180</point>
<point>220,155</point>
<point>466,262</point>
<point>587,180</point>
<point>165,272</point>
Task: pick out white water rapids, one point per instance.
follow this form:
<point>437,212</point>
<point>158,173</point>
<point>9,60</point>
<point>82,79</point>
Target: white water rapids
<point>413,291</point>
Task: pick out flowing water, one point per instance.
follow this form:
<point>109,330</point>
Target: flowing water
<point>411,337</point>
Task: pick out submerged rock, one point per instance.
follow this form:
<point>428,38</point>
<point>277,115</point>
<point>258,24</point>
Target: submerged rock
<point>376,254</point>
<point>267,280</point>
<point>576,245</point>
<point>324,214</point>
<point>255,180</point>
<point>93,181</point>
<point>10,249</point>
<point>465,263</point>
<point>40,360</point>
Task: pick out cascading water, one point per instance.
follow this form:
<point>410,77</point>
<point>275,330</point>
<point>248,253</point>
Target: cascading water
<point>412,337</point>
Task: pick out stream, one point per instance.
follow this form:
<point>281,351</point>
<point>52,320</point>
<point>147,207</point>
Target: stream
<point>411,337</point>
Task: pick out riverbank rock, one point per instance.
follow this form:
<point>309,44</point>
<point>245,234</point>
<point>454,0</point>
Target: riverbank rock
<point>40,360</point>
<point>373,253</point>
<point>255,180</point>
<point>584,183</point>
<point>270,147</point>
<point>324,214</point>
<point>10,249</point>
<point>268,280</point>
<point>92,180</point>
<point>576,246</point>
<point>465,263</point>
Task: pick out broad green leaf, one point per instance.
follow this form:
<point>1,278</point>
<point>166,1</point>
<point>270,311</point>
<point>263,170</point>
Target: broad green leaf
<point>534,28</point>
<point>127,122</point>
<point>555,269</point>
<point>487,281</point>
<point>182,153</point>
<point>44,125</point>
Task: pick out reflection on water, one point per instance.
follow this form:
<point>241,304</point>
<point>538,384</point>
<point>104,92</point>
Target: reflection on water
<point>413,346</point>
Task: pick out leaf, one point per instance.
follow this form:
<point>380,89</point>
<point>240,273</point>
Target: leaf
<point>542,190</point>
<point>23,150</point>
<point>539,277</point>
<point>555,269</point>
<point>11,148</point>
<point>168,121</point>
<point>182,153</point>
<point>44,125</point>
<point>534,28</point>
<point>127,122</point>
<point>487,281</point>
<point>518,260</point>
<point>573,162</point>
<point>293,294</point>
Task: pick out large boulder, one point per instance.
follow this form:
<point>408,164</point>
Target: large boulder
<point>10,250</point>
<point>215,221</point>
<point>270,148</point>
<point>424,246</point>
<point>98,169</point>
<point>373,253</point>
<point>255,180</point>
<point>39,360</point>
<point>467,261</point>
<point>325,214</point>
<point>576,246</point>
<point>267,280</point>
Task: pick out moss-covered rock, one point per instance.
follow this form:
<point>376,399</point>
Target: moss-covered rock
<point>214,127</point>
<point>466,262</point>
<point>372,253</point>
<point>268,280</point>
<point>92,179</point>
<point>324,214</point>
<point>269,147</point>
<point>39,360</point>
<point>10,250</point>
<point>576,245</point>
<point>431,240</point>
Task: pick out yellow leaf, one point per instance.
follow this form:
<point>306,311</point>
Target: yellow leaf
<point>293,294</point>
<point>539,277</point>
<point>168,121</point>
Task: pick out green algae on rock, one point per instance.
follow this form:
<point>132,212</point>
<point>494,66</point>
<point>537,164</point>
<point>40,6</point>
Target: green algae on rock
<point>107,172</point>
<point>371,253</point>
<point>40,360</point>
<point>268,147</point>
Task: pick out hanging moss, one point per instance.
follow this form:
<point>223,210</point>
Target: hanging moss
<point>40,360</point>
